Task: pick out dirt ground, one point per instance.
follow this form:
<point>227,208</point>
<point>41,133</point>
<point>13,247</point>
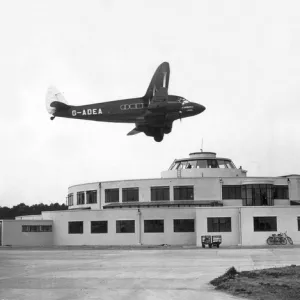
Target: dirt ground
<point>264,284</point>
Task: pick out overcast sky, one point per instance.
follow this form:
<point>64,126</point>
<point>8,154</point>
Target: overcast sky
<point>240,59</point>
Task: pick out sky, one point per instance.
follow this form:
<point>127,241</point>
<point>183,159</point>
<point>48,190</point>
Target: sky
<point>240,59</point>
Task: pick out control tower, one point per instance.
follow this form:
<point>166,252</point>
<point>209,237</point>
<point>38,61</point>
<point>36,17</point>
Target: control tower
<point>203,164</point>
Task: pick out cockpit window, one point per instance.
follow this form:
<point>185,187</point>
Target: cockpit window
<point>183,100</point>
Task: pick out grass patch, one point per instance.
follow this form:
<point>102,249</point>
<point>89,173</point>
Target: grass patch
<point>265,284</point>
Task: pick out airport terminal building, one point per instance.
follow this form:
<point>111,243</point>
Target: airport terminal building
<point>199,195</point>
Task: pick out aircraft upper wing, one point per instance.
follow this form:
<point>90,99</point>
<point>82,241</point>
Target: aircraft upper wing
<point>159,80</point>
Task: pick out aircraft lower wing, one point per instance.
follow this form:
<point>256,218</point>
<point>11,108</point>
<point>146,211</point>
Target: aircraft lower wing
<point>133,132</point>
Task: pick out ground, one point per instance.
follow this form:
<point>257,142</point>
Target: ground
<point>266,284</point>
<point>113,273</point>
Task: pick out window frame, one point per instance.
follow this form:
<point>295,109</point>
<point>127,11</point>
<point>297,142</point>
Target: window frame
<point>176,227</point>
<point>92,194</point>
<point>154,226</point>
<point>134,190</point>
<point>99,232</point>
<point>158,190</point>
<point>180,189</point>
<point>119,224</point>
<point>70,199</point>
<point>281,190</point>
<point>80,200</point>
<point>210,225</point>
<point>108,197</point>
<point>231,190</point>
<point>72,222</point>
<point>264,217</point>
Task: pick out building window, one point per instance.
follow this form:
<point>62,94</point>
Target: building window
<point>265,223</point>
<point>153,226</point>
<point>75,227</point>
<point>281,192</point>
<point>183,193</point>
<point>80,198</point>
<point>160,193</point>
<point>257,195</point>
<point>231,192</point>
<point>184,225</point>
<point>70,199</point>
<point>98,226</point>
<point>126,226</point>
<point>130,195</point>
<point>36,228</point>
<point>91,197</point>
<point>111,195</point>
<point>218,224</point>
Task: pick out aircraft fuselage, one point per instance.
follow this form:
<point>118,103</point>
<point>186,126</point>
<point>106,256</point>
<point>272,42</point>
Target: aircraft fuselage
<point>128,110</point>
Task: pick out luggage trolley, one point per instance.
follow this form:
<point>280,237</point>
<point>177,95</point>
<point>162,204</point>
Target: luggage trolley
<point>211,241</point>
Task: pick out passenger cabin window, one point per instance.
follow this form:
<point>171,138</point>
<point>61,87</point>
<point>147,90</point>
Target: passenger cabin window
<point>80,198</point>
<point>160,193</point>
<point>126,226</point>
<point>219,224</point>
<point>111,195</point>
<point>183,193</point>
<point>130,195</point>
<point>265,223</point>
<point>91,197</point>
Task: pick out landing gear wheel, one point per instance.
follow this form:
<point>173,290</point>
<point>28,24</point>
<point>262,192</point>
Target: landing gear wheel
<point>158,138</point>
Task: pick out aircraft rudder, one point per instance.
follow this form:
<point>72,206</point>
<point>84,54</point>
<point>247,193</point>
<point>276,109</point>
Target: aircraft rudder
<point>54,95</point>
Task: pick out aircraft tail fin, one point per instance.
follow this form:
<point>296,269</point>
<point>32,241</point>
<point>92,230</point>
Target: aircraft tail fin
<point>55,100</point>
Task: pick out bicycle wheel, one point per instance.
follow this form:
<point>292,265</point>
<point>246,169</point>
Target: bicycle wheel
<point>283,241</point>
<point>270,240</point>
<point>290,240</point>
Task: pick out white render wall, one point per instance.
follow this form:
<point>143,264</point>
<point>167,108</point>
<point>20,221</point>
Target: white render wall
<point>205,188</point>
<point>228,238</point>
<point>286,221</point>
<point>62,237</point>
<point>12,233</point>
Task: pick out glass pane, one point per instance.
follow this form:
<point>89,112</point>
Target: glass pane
<point>202,163</point>
<point>222,164</point>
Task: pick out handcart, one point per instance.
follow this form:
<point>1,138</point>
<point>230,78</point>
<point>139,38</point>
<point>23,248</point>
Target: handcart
<point>211,241</point>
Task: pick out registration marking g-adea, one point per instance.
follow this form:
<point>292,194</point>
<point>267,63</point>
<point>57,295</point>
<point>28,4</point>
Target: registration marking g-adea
<point>87,112</point>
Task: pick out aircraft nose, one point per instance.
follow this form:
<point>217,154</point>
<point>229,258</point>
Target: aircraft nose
<point>199,108</point>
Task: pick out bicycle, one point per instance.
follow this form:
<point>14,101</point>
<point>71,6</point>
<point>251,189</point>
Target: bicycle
<point>276,239</point>
<point>287,237</point>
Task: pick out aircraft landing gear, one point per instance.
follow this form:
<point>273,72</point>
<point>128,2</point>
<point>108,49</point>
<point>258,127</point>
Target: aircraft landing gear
<point>159,135</point>
<point>52,118</point>
<point>158,138</point>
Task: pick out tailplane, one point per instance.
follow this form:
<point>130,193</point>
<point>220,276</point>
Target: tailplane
<point>55,100</point>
